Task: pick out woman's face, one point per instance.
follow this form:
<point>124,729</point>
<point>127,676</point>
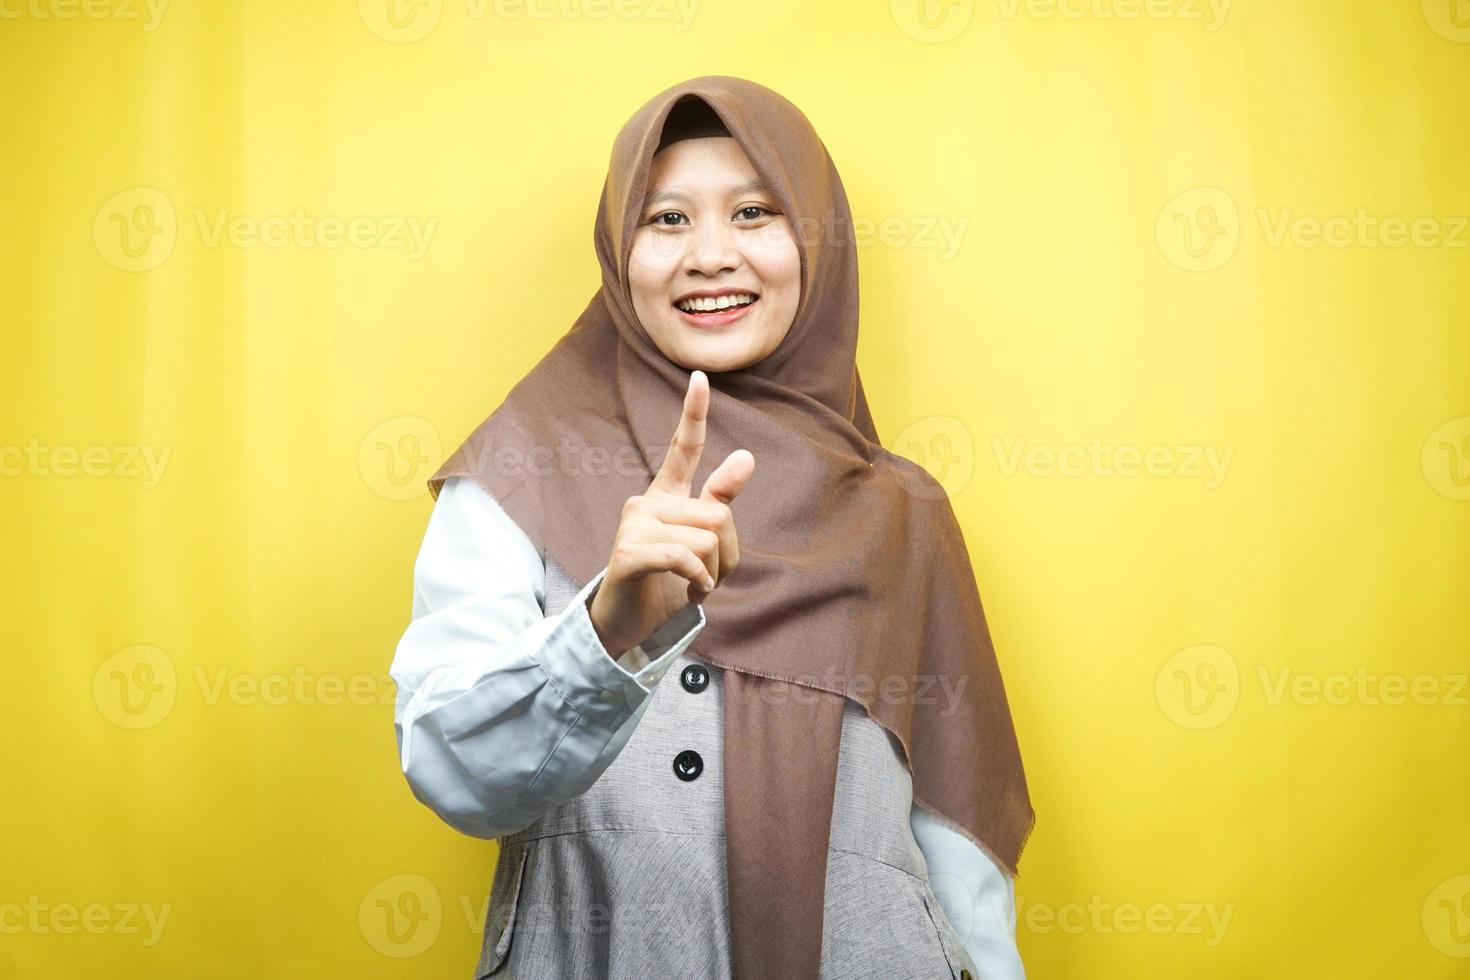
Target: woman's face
<point>708,232</point>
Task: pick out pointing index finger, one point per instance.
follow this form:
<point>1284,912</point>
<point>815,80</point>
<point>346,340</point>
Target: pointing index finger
<point>676,475</point>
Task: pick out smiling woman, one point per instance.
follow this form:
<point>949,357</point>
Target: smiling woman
<point>714,270</point>
<point>803,793</point>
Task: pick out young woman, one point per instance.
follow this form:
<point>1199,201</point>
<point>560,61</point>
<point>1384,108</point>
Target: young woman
<point>837,738</point>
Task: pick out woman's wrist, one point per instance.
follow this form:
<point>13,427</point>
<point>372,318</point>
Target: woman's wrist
<point>612,645</point>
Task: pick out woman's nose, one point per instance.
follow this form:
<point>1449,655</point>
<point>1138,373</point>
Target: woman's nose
<point>712,250</point>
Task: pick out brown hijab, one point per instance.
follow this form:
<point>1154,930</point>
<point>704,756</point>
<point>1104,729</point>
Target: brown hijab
<point>854,580</point>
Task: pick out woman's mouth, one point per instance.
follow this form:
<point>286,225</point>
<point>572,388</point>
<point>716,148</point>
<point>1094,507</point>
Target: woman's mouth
<point>716,311</point>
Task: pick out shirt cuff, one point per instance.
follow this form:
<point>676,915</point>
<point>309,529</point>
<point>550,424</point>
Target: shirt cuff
<point>591,680</point>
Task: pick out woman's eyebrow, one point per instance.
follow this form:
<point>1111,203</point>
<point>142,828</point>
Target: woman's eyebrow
<point>756,186</point>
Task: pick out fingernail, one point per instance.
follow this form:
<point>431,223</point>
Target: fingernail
<point>709,584</point>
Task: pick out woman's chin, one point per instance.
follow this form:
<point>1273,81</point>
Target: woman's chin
<point>712,354</point>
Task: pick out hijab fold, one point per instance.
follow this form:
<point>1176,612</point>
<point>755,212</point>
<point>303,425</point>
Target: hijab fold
<point>854,581</point>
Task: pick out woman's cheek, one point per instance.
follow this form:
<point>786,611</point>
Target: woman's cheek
<point>651,261</point>
<point>777,263</point>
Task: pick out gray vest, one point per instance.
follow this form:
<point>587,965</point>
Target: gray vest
<point>627,881</point>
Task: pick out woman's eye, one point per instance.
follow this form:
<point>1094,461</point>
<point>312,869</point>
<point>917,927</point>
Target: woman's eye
<point>672,219</point>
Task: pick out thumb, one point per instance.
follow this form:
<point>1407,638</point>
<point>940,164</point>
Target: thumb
<point>730,477</point>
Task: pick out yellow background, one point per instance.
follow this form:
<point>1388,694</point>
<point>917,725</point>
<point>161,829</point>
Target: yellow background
<point>198,717</point>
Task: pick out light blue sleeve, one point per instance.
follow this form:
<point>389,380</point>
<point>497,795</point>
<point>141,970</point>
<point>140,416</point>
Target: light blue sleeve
<point>978,897</point>
<point>504,713</point>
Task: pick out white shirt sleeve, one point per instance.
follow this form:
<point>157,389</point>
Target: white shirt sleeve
<point>502,712</point>
<point>979,898</point>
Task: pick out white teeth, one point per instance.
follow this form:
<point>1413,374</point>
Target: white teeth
<point>706,304</point>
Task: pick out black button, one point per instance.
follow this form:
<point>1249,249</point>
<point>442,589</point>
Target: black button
<point>688,765</point>
<point>694,678</point>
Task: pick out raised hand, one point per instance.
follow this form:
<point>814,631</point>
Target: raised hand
<point>671,549</point>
